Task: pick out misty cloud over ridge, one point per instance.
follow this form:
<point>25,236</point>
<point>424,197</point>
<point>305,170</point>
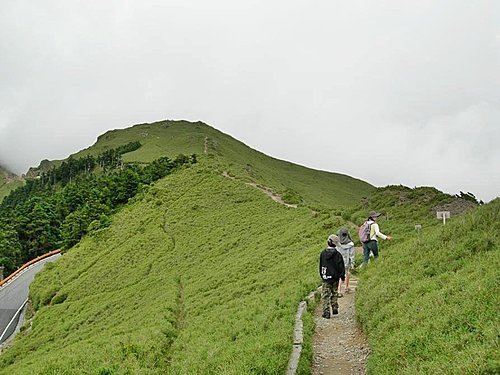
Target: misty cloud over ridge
<point>388,92</point>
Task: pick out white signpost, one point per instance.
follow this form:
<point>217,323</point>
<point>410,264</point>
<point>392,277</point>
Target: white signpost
<point>443,215</point>
<point>418,228</point>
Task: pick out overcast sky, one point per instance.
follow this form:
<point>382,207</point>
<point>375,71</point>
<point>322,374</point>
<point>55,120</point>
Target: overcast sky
<point>391,92</point>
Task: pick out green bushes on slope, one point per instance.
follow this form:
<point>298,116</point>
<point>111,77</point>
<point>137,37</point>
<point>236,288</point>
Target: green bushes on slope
<point>430,305</point>
<point>67,202</point>
<point>200,274</point>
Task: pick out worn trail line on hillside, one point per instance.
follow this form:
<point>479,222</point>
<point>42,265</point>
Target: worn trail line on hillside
<point>271,194</point>
<point>266,190</point>
<point>339,346</point>
<point>174,324</point>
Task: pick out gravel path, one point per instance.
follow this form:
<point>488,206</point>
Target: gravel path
<point>339,346</point>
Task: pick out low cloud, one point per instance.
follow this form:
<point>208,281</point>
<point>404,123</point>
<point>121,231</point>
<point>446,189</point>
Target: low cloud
<point>387,92</point>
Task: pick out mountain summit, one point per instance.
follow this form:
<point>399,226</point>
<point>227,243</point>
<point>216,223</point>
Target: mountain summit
<point>297,184</point>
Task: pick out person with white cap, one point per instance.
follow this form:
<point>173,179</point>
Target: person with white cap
<point>375,234</point>
<point>331,270</point>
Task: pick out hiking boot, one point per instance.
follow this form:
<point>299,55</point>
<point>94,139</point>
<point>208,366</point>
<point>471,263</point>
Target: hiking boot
<point>335,311</point>
<point>326,314</point>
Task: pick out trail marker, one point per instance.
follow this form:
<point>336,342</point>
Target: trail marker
<point>418,227</point>
<point>443,215</point>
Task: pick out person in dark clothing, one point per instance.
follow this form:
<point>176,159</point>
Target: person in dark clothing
<point>331,270</point>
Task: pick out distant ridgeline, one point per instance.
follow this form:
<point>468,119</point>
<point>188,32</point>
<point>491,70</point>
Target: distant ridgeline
<point>62,204</point>
<point>8,182</point>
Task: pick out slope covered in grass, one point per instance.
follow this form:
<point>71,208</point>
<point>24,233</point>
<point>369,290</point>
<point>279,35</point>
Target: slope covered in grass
<point>170,138</point>
<point>8,182</point>
<point>404,207</point>
<point>202,273</point>
<point>430,303</point>
<point>199,274</point>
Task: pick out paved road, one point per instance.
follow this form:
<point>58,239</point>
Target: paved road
<point>14,294</point>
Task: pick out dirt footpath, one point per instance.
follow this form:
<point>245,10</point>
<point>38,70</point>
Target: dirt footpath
<point>339,347</point>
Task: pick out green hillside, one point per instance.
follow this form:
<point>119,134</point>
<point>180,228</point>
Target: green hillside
<point>170,138</point>
<point>205,264</point>
<point>8,182</point>
<point>429,305</point>
<point>200,274</point>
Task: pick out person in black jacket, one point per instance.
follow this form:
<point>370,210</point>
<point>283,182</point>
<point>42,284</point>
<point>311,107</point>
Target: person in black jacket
<point>331,270</point>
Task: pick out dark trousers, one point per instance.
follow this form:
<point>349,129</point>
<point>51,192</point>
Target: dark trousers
<point>367,247</point>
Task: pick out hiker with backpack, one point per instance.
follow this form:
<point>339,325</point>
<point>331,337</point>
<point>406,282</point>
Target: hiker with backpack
<point>347,250</point>
<point>369,233</point>
<point>331,270</point>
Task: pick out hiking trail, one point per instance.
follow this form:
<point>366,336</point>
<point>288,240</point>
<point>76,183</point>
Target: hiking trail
<point>339,346</point>
<point>205,146</point>
<point>266,190</point>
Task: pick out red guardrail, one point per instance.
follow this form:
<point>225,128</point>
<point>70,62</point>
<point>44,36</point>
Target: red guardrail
<point>26,265</point>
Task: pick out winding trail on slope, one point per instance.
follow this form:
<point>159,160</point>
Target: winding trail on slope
<point>266,190</point>
<point>339,346</point>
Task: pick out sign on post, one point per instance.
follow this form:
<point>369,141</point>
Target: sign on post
<point>443,215</point>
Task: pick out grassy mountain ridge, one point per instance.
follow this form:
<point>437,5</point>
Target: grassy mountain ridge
<point>170,138</point>
<point>201,273</point>
<point>231,221</point>
<point>190,278</point>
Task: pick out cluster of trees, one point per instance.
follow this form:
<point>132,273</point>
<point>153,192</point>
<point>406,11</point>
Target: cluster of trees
<point>469,197</point>
<point>46,213</point>
<point>72,167</point>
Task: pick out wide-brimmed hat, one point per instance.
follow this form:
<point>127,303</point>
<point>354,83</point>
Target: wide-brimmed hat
<point>344,236</point>
<point>374,214</point>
